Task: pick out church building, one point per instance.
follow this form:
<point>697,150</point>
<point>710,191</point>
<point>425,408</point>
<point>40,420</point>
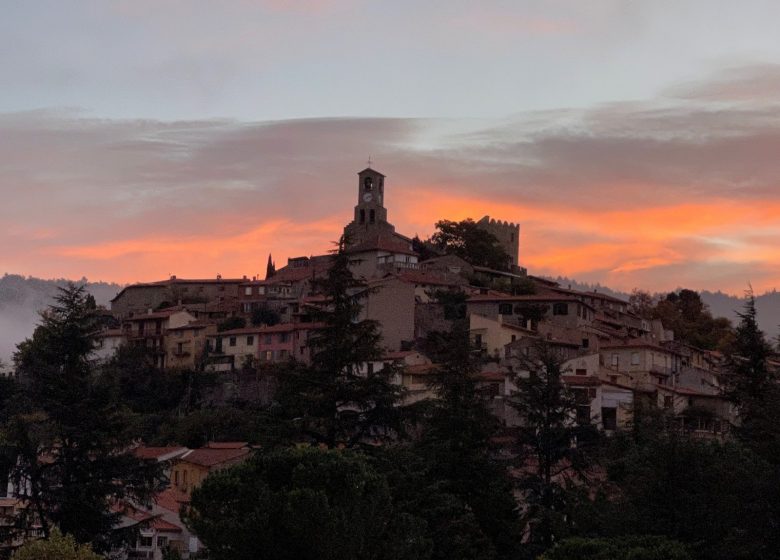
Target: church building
<point>372,242</point>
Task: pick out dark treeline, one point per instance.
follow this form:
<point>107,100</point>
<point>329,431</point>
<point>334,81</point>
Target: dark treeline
<point>347,468</point>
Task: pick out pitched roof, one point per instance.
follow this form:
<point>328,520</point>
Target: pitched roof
<point>207,457</point>
<point>389,243</point>
<point>159,453</point>
<point>171,499</point>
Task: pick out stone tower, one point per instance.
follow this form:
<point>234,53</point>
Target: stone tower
<point>508,235</point>
<point>370,218</point>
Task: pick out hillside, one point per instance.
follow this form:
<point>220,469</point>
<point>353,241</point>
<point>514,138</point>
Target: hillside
<point>22,297</point>
<point>721,305</point>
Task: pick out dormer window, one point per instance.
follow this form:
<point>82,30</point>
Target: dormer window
<point>368,184</point>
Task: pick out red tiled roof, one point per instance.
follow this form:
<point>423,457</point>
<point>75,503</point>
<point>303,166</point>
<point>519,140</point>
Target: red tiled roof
<point>390,244</point>
<point>156,452</point>
<point>199,324</point>
<point>430,278</point>
<point>637,343</point>
<point>206,457</point>
<point>171,499</point>
<point>694,393</point>
<point>281,327</point>
<point>164,314</point>
<point>227,444</point>
<point>584,380</point>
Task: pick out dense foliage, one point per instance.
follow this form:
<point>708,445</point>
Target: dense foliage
<point>59,546</point>
<point>470,242</point>
<point>69,433</point>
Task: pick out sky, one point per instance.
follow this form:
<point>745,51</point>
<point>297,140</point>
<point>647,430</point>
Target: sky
<point>637,143</point>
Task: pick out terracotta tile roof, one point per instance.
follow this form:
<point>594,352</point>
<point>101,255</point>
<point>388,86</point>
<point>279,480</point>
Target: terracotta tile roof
<point>638,343</point>
<point>583,380</point>
<point>171,499</point>
<point>227,444</point>
<point>199,324</point>
<point>174,281</point>
<point>281,327</point>
<point>536,298</point>
<point>390,244</point>
<point>163,314</point>
<point>399,355</point>
<point>146,519</point>
<point>206,457</point>
<point>693,393</point>
<point>430,278</point>
<point>158,453</point>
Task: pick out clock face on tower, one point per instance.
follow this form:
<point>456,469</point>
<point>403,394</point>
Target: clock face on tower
<point>367,197</point>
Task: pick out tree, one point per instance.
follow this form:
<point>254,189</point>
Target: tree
<point>470,242</point>
<point>618,548</point>
<point>552,440</point>
<point>231,323</point>
<point>59,546</point>
<point>752,386</point>
<point>305,503</point>
<point>70,434</point>
<point>641,303</point>
<point>266,316</point>
<point>687,315</point>
<point>337,400</point>
<point>457,431</point>
<point>719,499</point>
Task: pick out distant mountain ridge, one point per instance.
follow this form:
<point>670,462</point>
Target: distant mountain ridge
<point>22,297</point>
<point>720,304</point>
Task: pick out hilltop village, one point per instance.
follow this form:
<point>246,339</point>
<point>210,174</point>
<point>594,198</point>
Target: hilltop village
<point>614,356</point>
<point>614,360</point>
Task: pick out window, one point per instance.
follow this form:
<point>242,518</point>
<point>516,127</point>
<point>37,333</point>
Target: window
<point>609,418</point>
<point>615,360</point>
<point>613,378</point>
<point>668,402</point>
<point>580,371</point>
<point>269,338</point>
<point>514,338</point>
<point>362,216</point>
<point>162,542</point>
<point>585,342</point>
<point>372,216</point>
<point>284,337</point>
<point>478,340</point>
<point>368,184</point>
<point>232,341</point>
<point>248,291</point>
<point>180,348</point>
<point>504,308</point>
<point>282,354</point>
<point>560,309</point>
<point>144,542</point>
<point>176,478</point>
<point>634,358</point>
<point>370,368</point>
<point>250,340</point>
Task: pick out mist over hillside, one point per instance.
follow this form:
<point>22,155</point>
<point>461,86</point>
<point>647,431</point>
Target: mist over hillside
<point>720,304</point>
<point>22,297</point>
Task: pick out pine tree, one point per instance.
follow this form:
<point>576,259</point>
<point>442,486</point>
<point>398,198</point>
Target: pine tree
<point>753,387</point>
<point>70,435</point>
<point>457,433</point>
<point>551,441</point>
<point>333,402</point>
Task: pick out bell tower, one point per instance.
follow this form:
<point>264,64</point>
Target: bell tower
<point>370,209</point>
<point>370,220</point>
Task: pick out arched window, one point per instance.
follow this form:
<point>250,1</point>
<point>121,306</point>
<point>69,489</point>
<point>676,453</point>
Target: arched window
<point>368,184</point>
<point>362,216</point>
<point>381,185</point>
<point>372,216</point>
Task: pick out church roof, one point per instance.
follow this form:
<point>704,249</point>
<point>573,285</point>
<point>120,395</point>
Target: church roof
<point>371,170</point>
<point>388,243</point>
